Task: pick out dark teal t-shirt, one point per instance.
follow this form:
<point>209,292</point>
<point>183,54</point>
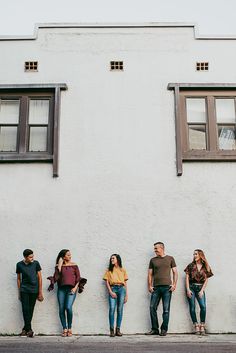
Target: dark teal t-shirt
<point>29,277</point>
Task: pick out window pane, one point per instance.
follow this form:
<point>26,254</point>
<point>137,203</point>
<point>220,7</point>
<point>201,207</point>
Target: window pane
<point>8,138</point>
<point>9,111</point>
<point>38,139</point>
<point>38,111</point>
<point>225,110</point>
<point>196,110</point>
<point>197,137</point>
<point>226,137</point>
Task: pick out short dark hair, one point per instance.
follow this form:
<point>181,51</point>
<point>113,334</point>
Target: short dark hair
<point>159,243</point>
<point>27,252</point>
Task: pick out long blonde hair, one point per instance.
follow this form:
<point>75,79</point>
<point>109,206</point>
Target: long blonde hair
<point>203,259</point>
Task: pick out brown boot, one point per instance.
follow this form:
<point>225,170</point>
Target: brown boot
<point>112,333</point>
<point>118,333</point>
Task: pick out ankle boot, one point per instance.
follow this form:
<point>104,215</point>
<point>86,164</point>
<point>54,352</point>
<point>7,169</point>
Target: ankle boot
<point>112,333</point>
<point>118,333</point>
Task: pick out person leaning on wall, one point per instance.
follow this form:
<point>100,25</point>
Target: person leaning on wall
<point>197,274</point>
<point>29,282</point>
<point>116,281</point>
<point>161,287</point>
<point>67,277</point>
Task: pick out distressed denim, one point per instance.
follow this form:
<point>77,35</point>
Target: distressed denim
<point>65,300</point>
<point>116,302</point>
<point>195,289</point>
<point>160,293</point>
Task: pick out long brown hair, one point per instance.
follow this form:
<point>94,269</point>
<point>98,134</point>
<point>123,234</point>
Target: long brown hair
<point>203,259</point>
<point>111,266</point>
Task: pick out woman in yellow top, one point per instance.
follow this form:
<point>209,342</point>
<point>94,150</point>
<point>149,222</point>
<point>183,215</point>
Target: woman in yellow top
<point>116,282</point>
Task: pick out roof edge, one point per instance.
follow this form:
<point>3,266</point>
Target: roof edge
<point>194,26</point>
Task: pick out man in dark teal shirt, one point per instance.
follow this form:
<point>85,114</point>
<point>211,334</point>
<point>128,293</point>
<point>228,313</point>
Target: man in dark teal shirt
<point>29,282</point>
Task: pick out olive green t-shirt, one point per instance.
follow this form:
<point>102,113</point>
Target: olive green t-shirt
<point>161,270</point>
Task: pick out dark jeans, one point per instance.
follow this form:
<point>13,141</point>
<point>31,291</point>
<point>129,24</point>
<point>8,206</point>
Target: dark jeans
<point>160,292</point>
<point>28,301</point>
<point>65,300</point>
<point>195,289</point>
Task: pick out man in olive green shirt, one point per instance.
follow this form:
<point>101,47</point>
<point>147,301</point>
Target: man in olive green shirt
<point>161,286</point>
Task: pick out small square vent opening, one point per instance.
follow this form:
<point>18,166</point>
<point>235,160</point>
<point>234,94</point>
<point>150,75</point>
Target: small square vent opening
<point>202,66</point>
<point>116,66</point>
<point>31,66</point>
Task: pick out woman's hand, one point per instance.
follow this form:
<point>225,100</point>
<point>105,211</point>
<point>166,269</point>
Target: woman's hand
<point>126,298</point>
<point>189,293</point>
<point>73,290</point>
<point>60,262</point>
<point>200,294</point>
<point>113,295</point>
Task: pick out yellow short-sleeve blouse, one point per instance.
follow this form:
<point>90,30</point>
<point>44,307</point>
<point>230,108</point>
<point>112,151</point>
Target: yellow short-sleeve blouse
<point>117,276</point>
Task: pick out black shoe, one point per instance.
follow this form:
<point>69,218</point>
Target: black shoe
<point>163,333</point>
<point>30,334</point>
<point>152,332</point>
<point>23,333</point>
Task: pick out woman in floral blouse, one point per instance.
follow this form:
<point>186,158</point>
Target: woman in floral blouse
<point>197,274</point>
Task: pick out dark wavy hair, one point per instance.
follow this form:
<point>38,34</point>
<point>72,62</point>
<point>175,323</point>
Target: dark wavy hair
<point>111,266</point>
<point>61,254</point>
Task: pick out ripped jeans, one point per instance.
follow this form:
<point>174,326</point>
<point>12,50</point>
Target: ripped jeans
<point>160,292</point>
<point>119,302</point>
<point>195,289</point>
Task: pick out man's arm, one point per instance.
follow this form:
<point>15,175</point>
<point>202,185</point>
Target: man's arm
<point>18,285</point>
<point>175,279</point>
<point>150,280</point>
<point>40,295</point>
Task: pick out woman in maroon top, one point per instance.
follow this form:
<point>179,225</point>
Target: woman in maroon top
<point>197,274</point>
<point>67,276</point>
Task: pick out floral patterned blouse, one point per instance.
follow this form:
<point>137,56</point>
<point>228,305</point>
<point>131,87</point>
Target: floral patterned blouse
<point>195,275</point>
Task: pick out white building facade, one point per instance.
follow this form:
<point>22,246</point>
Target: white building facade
<point>138,146</point>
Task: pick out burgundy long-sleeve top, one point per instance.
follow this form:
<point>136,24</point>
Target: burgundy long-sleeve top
<point>69,276</point>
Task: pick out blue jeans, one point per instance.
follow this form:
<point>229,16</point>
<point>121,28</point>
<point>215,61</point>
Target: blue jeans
<point>65,300</point>
<point>195,289</point>
<point>160,292</point>
<point>119,302</point>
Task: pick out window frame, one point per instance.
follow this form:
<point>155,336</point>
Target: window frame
<point>24,93</point>
<point>209,92</point>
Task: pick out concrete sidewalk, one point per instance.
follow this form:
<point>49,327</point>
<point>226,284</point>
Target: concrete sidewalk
<point>138,338</point>
<point>126,344</point>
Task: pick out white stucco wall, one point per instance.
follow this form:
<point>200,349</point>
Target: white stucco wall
<point>117,189</point>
